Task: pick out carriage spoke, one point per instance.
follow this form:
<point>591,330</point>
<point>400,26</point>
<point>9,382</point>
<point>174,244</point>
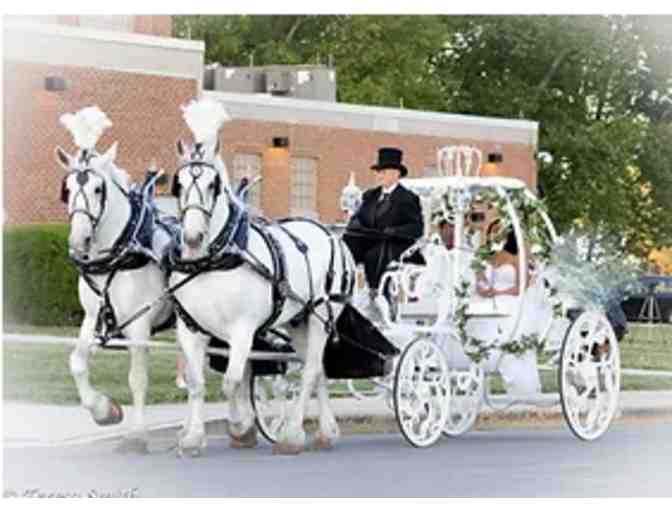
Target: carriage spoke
<point>421,392</point>
<point>589,375</point>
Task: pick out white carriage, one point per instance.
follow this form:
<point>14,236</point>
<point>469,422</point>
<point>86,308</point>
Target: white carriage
<point>451,340</point>
<point>428,342</point>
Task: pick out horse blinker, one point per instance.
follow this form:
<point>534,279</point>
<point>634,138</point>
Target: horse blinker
<point>175,189</point>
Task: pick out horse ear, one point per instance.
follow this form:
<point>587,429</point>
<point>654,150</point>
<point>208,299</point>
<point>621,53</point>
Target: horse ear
<point>111,154</point>
<point>63,158</point>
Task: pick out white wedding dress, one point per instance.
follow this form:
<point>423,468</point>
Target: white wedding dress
<point>519,373</point>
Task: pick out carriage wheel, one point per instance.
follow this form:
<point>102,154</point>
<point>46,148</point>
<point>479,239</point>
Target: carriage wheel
<point>466,399</point>
<point>271,397</point>
<point>590,375</point>
<point>421,392</point>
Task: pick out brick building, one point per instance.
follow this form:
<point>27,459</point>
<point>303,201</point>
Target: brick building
<point>304,149</point>
<point>127,65</point>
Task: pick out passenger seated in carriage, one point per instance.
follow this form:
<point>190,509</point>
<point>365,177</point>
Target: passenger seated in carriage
<point>501,282</point>
<point>446,230</point>
<point>502,276</point>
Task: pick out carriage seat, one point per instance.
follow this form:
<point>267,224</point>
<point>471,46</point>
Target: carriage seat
<point>499,306</point>
<point>477,307</point>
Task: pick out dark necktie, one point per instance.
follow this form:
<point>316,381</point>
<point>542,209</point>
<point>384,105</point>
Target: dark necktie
<point>381,205</point>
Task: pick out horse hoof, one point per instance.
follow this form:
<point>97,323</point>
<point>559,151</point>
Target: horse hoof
<point>114,416</point>
<point>137,445</point>
<point>322,443</point>
<point>192,447</point>
<point>246,440</point>
<point>286,449</point>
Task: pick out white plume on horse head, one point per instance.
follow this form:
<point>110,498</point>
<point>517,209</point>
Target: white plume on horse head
<point>86,126</point>
<point>205,117</point>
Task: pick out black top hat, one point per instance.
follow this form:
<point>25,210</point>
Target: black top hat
<point>390,157</point>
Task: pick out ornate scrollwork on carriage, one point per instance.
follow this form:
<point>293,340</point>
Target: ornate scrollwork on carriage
<point>438,300</point>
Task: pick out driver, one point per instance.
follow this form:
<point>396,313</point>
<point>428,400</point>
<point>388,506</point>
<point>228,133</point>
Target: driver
<point>387,223</point>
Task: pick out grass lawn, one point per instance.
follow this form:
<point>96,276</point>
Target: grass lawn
<point>39,373</point>
<point>68,331</point>
<point>647,347</point>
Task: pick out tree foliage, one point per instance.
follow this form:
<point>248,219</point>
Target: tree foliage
<point>380,60</point>
<point>602,96</point>
<point>600,87</point>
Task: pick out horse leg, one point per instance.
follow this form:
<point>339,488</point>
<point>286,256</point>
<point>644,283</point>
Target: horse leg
<point>329,431</point>
<point>292,436</point>
<point>243,431</point>
<point>236,387</point>
<point>136,439</point>
<point>104,410</point>
<point>193,345</point>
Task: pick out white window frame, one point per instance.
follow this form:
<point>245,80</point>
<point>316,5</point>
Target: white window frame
<point>303,199</point>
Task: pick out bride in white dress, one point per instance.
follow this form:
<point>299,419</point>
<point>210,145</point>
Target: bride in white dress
<point>500,283</point>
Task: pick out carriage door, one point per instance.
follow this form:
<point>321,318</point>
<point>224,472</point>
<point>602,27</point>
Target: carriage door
<point>303,187</point>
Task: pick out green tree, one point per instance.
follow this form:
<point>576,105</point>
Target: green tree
<point>600,86</point>
<point>379,60</point>
<point>594,85</point>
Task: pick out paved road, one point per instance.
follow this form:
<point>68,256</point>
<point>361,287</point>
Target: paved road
<point>633,459</point>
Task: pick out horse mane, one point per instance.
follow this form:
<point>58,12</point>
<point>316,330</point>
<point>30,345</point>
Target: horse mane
<point>223,171</point>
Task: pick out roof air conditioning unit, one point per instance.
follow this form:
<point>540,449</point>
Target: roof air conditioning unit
<point>278,82</point>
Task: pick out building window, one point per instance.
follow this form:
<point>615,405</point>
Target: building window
<point>303,187</point>
<point>248,165</point>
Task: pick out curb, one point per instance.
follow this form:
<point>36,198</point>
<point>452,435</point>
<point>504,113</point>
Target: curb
<point>545,413</point>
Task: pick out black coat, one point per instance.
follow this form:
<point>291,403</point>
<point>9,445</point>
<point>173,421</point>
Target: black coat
<point>400,215</point>
<point>399,218</point>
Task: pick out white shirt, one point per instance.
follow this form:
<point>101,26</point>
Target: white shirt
<point>387,191</point>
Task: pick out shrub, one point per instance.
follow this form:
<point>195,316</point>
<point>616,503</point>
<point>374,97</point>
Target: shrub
<point>40,283</point>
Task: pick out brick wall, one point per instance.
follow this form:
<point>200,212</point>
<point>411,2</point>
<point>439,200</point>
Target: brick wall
<point>341,151</point>
<point>144,111</point>
<point>147,120</point>
<point>161,25</point>
<point>154,25</point>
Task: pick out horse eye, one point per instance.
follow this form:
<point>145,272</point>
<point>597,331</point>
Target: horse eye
<point>98,190</point>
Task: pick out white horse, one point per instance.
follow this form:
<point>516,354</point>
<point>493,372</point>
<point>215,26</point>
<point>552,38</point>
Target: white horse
<point>97,196</point>
<point>233,304</point>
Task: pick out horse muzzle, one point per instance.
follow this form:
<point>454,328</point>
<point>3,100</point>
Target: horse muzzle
<point>192,245</point>
<point>194,241</point>
<point>81,249</point>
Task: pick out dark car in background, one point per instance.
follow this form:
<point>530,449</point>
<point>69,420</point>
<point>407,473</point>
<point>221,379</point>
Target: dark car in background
<point>653,304</point>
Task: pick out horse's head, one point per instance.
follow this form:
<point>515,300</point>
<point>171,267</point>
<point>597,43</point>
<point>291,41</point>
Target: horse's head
<point>91,183</point>
<point>200,184</point>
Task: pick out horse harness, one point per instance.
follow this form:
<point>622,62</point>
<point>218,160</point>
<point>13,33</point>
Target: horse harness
<point>131,250</point>
<point>229,251</point>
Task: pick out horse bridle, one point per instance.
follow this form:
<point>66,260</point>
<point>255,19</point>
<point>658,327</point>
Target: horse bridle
<point>196,170</point>
<point>83,176</point>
